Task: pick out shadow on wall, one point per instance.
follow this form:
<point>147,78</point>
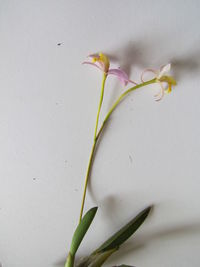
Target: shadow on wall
<point>147,55</point>
<point>176,232</point>
<point>130,247</point>
<point>188,65</point>
<point>150,54</point>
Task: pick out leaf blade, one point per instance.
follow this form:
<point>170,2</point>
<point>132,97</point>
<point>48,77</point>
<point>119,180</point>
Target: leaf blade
<point>125,232</point>
<point>101,258</point>
<point>82,229</point>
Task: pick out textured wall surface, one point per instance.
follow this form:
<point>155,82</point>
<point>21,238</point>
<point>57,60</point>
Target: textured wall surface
<point>149,153</point>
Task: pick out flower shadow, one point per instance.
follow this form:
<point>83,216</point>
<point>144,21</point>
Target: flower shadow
<point>132,55</point>
<point>188,65</point>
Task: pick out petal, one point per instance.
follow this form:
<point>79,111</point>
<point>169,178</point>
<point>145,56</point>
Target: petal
<point>93,64</point>
<point>94,56</point>
<point>148,70</point>
<point>102,60</point>
<point>121,75</point>
<point>160,95</point>
<point>165,69</point>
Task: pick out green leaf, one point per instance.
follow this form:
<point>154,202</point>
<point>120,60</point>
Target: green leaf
<point>124,233</point>
<point>81,230</point>
<point>100,258</point>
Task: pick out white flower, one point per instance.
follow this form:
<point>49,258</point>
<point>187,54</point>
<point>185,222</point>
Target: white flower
<point>162,77</point>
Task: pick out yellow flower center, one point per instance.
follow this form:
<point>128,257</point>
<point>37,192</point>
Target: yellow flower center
<point>101,58</point>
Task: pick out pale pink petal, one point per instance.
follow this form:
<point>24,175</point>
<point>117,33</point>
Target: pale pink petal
<point>121,75</point>
<point>160,95</point>
<point>130,81</point>
<point>93,64</point>
<point>93,56</point>
<point>97,62</point>
<point>101,65</point>
<point>148,70</point>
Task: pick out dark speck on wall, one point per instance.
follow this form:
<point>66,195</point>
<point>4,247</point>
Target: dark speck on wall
<point>34,179</point>
<point>58,44</point>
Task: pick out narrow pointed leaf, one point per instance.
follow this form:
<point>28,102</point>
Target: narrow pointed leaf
<point>81,230</point>
<point>124,233</point>
<point>100,258</point>
<point>95,260</point>
<point>84,261</point>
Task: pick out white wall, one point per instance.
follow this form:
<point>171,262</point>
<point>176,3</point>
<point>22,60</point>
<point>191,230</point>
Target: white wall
<point>149,153</point>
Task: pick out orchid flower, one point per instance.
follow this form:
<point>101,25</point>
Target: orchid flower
<point>102,62</point>
<point>161,76</point>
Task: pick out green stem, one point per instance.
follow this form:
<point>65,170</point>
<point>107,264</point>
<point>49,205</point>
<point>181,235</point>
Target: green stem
<point>71,257</point>
<point>120,99</point>
<point>100,104</point>
<point>96,135</point>
<point>93,146</point>
<point>70,260</point>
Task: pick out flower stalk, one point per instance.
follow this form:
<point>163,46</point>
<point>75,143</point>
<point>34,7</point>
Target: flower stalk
<point>93,146</point>
<point>102,62</point>
<point>97,134</point>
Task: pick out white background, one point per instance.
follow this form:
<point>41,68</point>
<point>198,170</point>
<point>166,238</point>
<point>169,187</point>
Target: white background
<point>149,153</point>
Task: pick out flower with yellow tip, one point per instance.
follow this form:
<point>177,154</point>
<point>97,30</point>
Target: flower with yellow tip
<point>162,77</point>
<point>101,61</point>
